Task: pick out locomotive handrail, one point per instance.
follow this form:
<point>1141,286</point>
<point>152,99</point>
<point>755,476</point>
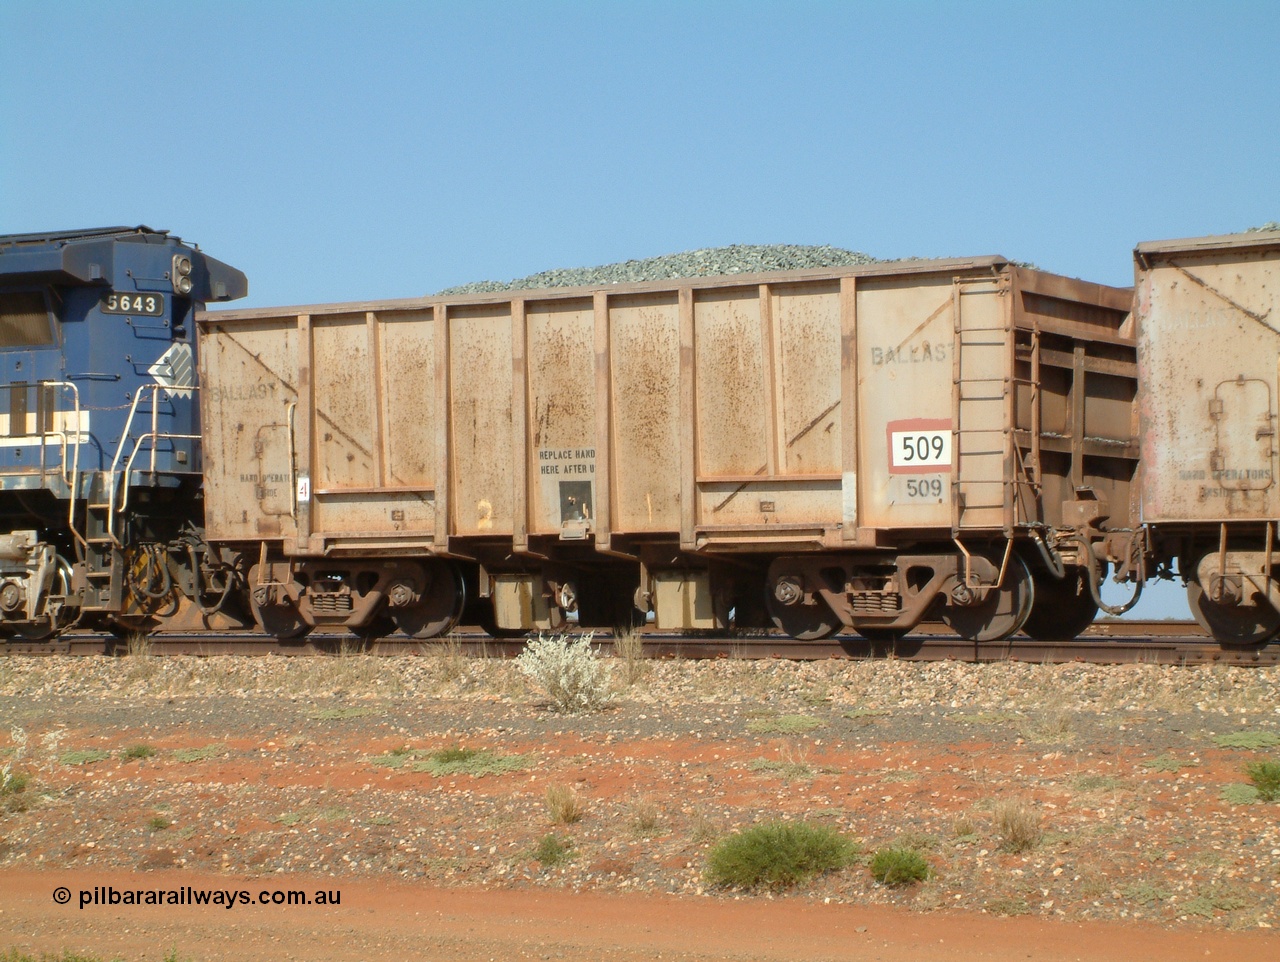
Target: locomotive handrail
<point>154,435</point>
<point>72,479</point>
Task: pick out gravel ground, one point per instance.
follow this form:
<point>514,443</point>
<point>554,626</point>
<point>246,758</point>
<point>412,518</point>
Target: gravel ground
<point>1131,778</point>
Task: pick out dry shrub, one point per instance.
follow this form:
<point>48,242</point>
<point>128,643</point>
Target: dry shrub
<point>563,805</point>
<point>628,645</point>
<point>1018,825</point>
<point>567,669</point>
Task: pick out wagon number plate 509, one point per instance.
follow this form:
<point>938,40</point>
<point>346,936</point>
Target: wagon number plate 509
<point>919,446</point>
<point>146,305</point>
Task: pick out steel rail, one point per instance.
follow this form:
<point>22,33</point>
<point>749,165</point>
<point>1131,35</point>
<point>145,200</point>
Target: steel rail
<point>1106,642</point>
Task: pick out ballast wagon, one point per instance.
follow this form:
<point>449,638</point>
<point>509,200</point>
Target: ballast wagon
<point>1208,312</point>
<point>820,449</point>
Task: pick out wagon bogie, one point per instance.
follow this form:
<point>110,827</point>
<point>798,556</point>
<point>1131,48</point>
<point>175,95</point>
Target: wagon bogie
<point>366,596</point>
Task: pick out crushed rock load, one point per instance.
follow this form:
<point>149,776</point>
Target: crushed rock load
<point>1269,225</point>
<point>709,261</point>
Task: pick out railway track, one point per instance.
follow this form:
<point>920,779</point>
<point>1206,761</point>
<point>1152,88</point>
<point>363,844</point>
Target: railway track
<point>1106,642</point>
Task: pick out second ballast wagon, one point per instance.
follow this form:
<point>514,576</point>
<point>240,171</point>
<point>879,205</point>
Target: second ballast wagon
<point>836,448</point>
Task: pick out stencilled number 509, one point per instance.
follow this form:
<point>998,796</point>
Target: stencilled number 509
<point>924,488</point>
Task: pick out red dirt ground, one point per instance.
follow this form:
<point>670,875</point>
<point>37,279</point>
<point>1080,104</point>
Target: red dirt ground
<point>408,921</point>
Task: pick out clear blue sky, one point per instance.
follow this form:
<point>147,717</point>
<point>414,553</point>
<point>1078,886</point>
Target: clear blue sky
<point>338,151</point>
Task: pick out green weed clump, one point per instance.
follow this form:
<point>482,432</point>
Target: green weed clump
<point>783,725</point>
<point>899,866</point>
<point>468,761</point>
<point>552,850</point>
<point>778,855</point>
<point>1237,794</point>
<point>1266,779</point>
<point>135,752</point>
<point>1248,739</point>
<point>85,757</point>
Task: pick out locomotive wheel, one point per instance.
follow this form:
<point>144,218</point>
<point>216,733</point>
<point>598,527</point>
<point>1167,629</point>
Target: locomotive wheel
<point>1243,626</point>
<point>1001,613</point>
<point>440,606</point>
<point>803,622</point>
<point>1063,607</point>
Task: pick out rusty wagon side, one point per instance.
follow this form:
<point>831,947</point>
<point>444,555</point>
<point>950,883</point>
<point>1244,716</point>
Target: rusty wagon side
<point>846,447</point>
<point>1208,344</point>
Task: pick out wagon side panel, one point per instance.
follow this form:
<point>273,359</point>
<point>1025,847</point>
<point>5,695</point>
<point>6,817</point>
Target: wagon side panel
<point>905,337</point>
<point>249,372</point>
<point>644,376</point>
<point>1209,339</point>
<point>480,420</point>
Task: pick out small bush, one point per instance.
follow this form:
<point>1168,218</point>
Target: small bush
<point>629,646</point>
<point>567,669</point>
<point>1166,763</point>
<point>1008,905</point>
<point>13,791</point>
<point>189,755</point>
<point>646,819</point>
<point>1248,739</point>
<point>134,752</point>
<point>1238,794</point>
<point>396,758</point>
<point>778,855</point>
<point>563,805</point>
<point>1018,825</point>
<point>964,829</point>
<point>86,757</point>
<point>336,714</point>
<point>899,866</point>
<point>552,850</point>
<point>787,770</point>
<point>1145,893</point>
<point>159,823</point>
<point>783,725</point>
<point>1266,779</point>
<point>1098,783</point>
<point>468,761</point>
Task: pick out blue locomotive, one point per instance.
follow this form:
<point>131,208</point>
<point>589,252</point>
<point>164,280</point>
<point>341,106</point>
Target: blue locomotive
<point>100,512</point>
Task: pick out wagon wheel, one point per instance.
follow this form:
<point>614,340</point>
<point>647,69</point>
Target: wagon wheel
<point>379,626</point>
<point>1243,626</point>
<point>32,630</point>
<point>440,606</point>
<point>803,622</point>
<point>487,620</point>
<point>281,621</point>
<point>1064,607</point>
<point>1001,613</point>
<point>882,634</point>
